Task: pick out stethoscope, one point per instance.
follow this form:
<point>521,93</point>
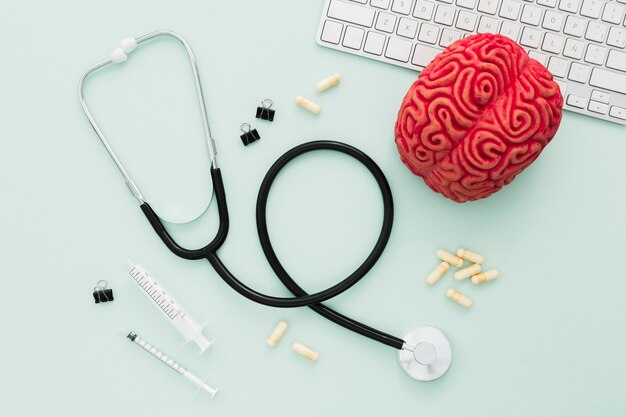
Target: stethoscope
<point>424,353</point>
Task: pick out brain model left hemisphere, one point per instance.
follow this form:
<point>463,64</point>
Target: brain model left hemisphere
<point>477,116</point>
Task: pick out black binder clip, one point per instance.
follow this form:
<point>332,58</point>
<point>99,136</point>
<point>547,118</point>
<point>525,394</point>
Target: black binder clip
<point>249,135</point>
<point>102,294</point>
<point>264,111</point>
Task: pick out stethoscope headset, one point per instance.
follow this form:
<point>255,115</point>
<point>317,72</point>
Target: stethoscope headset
<point>424,353</point>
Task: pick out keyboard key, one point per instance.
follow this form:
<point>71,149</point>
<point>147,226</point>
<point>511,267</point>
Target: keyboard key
<point>401,6</point>
<point>398,49</point>
<point>618,112</point>
<point>446,1</point>
<point>553,20</point>
<point>531,15</point>
<point>510,30</point>
<point>574,49</point>
<point>374,43</point>
<point>596,32</point>
<point>360,1</point>
<point>575,26</point>
<point>591,8</point>
<point>531,37</point>
<point>557,66</point>
<point>617,60</point>
<point>579,72</point>
<point>407,28</point>
<point>510,9</point>
<point>424,10</point>
<point>488,6</point>
<point>613,13</point>
<point>538,56</point>
<point>424,54</point>
<point>331,32</point>
<point>466,21</point>
<point>449,36</point>
<point>617,37</point>
<point>552,43</point>
<point>569,5</point>
<point>380,4</point>
<point>549,3</point>
<point>353,37</point>
<point>488,25</point>
<point>468,4</point>
<point>576,101</point>
<point>352,13</point>
<point>386,22</point>
<point>595,54</point>
<point>444,15</point>
<point>608,80</point>
<point>596,107</point>
<point>600,96</point>
<point>428,33</point>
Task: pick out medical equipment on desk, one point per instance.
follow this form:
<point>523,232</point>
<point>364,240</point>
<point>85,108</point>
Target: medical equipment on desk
<point>424,353</point>
<point>133,337</point>
<point>172,311</point>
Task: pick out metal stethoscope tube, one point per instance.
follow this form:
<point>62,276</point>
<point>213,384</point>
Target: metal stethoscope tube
<point>428,366</point>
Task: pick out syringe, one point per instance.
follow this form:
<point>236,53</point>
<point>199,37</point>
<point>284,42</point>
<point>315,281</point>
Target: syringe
<point>132,336</point>
<point>172,311</point>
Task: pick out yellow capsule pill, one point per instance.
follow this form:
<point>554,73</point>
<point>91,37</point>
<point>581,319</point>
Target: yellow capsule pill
<point>305,351</point>
<point>470,256</point>
<point>467,272</point>
<point>459,298</point>
<point>278,333</point>
<point>308,105</point>
<point>437,273</point>
<point>485,276</point>
<point>328,82</point>
<point>449,258</point>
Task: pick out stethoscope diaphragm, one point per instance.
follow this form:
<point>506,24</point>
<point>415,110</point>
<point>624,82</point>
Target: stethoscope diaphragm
<point>426,355</point>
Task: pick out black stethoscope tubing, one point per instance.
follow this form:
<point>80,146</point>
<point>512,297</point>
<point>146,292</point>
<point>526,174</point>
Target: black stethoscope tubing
<point>301,297</point>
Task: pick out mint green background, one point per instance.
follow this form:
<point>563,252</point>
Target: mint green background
<point>546,339</point>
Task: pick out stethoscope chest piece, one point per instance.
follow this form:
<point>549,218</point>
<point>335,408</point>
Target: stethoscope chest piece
<point>427,354</point>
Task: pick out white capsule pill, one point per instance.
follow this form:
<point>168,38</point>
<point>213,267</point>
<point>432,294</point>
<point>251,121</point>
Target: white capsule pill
<point>467,272</point>
<point>459,298</point>
<point>449,258</point>
<point>307,352</point>
<point>278,333</point>
<point>328,82</point>
<point>485,276</point>
<point>437,273</point>
<point>308,105</point>
<point>468,255</point>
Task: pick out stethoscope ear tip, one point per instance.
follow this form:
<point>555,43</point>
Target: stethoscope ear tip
<point>426,354</point>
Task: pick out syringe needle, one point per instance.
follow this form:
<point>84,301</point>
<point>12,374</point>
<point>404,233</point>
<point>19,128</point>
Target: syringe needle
<point>133,337</point>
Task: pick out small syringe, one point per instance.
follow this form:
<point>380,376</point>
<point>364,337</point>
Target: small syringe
<point>171,310</point>
<point>132,336</point>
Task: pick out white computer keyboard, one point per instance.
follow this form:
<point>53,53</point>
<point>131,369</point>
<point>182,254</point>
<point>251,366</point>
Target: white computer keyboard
<point>580,41</point>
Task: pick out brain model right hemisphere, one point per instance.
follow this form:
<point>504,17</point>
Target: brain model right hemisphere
<point>477,116</point>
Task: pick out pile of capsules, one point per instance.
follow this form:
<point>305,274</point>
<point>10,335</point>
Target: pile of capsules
<point>474,272</point>
<point>323,85</point>
<point>299,348</point>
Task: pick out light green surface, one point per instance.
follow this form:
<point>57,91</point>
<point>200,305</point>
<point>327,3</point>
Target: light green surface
<point>546,339</point>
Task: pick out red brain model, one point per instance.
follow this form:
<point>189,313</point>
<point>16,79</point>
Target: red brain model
<point>477,116</point>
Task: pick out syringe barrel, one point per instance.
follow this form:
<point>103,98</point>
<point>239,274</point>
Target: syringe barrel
<point>157,353</point>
